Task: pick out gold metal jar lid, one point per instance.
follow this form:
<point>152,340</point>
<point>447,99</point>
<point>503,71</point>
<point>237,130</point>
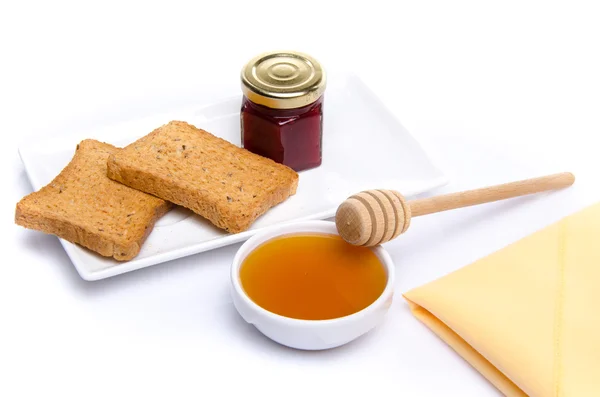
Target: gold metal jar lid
<point>283,79</point>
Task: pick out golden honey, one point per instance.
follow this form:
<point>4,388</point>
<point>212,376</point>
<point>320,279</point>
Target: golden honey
<point>312,276</point>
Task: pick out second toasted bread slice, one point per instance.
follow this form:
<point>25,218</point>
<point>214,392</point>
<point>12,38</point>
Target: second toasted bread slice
<point>226,184</point>
<point>82,205</point>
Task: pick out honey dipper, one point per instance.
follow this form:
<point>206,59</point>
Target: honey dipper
<point>374,217</point>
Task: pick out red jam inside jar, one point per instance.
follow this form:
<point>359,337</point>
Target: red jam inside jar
<point>292,137</point>
<point>282,109</point>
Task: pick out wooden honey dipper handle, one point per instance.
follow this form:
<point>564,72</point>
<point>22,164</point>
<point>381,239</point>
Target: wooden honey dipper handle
<point>468,198</point>
<point>374,217</point>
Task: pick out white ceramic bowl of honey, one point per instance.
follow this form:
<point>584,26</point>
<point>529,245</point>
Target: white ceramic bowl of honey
<point>302,286</point>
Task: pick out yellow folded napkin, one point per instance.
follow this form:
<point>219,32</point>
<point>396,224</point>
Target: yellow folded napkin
<point>527,317</point>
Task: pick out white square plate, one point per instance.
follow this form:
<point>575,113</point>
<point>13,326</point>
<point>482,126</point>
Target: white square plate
<point>364,147</point>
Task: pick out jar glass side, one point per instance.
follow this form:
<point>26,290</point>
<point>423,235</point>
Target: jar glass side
<point>292,137</point>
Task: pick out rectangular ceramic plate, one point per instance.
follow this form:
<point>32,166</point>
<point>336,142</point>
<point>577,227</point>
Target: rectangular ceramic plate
<point>364,147</point>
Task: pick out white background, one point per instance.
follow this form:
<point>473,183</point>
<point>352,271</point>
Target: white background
<point>495,91</point>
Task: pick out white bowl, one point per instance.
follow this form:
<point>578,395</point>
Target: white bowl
<point>308,334</point>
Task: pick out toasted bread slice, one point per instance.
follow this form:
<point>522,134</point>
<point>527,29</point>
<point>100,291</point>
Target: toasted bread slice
<point>82,205</point>
<point>226,184</point>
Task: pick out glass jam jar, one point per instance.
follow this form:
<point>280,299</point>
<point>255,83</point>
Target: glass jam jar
<point>282,108</point>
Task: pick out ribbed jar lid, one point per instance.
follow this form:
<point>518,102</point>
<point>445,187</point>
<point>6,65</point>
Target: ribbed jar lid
<point>283,79</point>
